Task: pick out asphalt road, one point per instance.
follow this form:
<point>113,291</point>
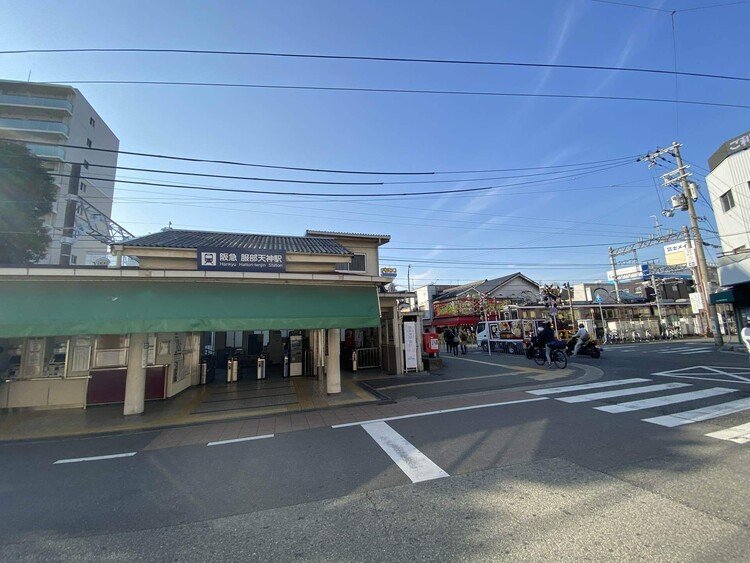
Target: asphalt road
<point>638,460</point>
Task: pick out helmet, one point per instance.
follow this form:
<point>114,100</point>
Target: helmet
<point>541,328</point>
<point>580,325</point>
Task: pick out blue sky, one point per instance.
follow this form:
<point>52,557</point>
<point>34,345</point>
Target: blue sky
<point>402,132</point>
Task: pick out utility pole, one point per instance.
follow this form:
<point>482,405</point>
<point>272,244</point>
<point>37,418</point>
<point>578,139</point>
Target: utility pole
<point>657,225</point>
<point>408,278</point>
<point>614,273</point>
<point>679,179</point>
<point>658,300</point>
<point>700,253</point>
<point>570,303</point>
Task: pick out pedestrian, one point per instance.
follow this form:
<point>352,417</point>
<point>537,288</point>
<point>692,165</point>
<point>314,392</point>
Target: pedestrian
<point>746,334</point>
<point>454,342</point>
<point>546,337</point>
<point>464,338</point>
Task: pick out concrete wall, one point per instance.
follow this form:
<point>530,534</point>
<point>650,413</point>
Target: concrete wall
<point>733,173</point>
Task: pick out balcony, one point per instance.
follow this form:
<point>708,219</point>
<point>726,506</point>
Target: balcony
<point>36,102</point>
<point>45,151</point>
<point>34,126</point>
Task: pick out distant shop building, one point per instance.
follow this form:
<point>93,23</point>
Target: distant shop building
<point>467,304</point>
<point>310,305</point>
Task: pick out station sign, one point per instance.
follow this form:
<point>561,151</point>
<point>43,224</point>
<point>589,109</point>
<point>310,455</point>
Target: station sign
<point>241,259</point>
<point>388,272</point>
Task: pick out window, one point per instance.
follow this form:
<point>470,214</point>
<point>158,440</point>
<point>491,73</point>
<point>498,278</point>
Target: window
<point>727,201</point>
<point>358,264</point>
<point>92,122</point>
<point>86,164</point>
<point>82,188</point>
<point>111,350</point>
<point>89,143</point>
<point>234,339</point>
<point>73,259</point>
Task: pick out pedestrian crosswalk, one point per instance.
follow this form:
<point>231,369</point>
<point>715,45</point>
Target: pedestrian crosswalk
<point>614,389</point>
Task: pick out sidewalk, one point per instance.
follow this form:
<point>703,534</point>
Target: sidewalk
<point>210,403</point>
<point>181,423</point>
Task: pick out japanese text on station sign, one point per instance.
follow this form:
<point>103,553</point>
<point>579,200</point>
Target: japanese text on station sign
<point>241,260</point>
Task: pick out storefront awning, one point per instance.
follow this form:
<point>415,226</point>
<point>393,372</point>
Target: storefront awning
<point>57,308</point>
<point>468,320</point>
<point>722,297</point>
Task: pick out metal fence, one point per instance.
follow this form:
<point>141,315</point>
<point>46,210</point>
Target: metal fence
<point>368,358</point>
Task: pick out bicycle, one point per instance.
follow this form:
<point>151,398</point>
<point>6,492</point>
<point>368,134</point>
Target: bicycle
<point>539,355</point>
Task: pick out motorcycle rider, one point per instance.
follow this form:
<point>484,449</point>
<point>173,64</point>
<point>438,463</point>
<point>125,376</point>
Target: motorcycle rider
<point>581,336</point>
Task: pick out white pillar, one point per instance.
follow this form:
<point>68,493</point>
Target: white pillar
<point>333,375</point>
<point>135,383</point>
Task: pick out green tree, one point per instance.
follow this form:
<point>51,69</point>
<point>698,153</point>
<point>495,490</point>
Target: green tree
<point>27,193</point>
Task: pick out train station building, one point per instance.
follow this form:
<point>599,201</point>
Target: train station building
<point>200,305</point>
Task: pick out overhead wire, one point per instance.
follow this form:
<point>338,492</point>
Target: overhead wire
<point>481,93</point>
<point>471,62</point>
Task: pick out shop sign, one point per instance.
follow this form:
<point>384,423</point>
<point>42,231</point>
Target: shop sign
<point>696,302</point>
<point>241,259</point>
<point>388,272</point>
<point>410,345</point>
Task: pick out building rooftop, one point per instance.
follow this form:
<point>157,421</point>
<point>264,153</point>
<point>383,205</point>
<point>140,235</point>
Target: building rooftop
<point>382,239</point>
<point>177,238</point>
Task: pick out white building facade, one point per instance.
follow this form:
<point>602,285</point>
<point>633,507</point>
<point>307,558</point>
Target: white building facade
<point>729,191</point>
<point>58,124</point>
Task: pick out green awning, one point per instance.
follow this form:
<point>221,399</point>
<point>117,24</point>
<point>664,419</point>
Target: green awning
<point>726,296</point>
<point>69,307</point>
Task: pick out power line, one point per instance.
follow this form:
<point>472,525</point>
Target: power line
<point>632,5</point>
<point>374,59</point>
<point>299,168</point>
<point>339,195</point>
<point>398,91</point>
<point>333,183</point>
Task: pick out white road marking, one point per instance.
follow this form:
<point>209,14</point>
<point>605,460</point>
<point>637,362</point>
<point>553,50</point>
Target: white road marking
<point>94,458</point>
<point>235,440</point>
<point>441,411</point>
<point>622,392</point>
<point>666,400</point>
<point>613,383</point>
<point>738,434</point>
<point>417,466</point>
<point>695,352</point>
<point>697,415</point>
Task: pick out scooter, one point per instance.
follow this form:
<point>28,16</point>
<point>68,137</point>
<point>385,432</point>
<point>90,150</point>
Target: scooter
<point>588,348</point>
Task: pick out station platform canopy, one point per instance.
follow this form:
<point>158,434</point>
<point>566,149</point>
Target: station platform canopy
<point>82,307</point>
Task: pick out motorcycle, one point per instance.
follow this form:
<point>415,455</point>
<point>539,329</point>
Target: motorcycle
<point>588,348</point>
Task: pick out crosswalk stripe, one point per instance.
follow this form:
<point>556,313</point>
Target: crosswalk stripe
<point>613,383</point>
<point>417,466</point>
<point>738,434</point>
<point>695,352</point>
<point>621,392</point>
<point>697,415</point>
<point>665,400</point>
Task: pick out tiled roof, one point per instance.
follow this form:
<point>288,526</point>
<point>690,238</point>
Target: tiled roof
<point>313,232</point>
<point>175,238</point>
<point>484,286</point>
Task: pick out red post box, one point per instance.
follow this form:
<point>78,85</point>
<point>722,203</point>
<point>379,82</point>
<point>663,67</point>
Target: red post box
<point>431,343</point>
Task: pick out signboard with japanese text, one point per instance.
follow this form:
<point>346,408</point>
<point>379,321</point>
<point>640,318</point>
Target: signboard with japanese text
<point>410,345</point>
<point>674,254</point>
<point>241,260</point>
<point>696,302</point>
<point>387,272</point>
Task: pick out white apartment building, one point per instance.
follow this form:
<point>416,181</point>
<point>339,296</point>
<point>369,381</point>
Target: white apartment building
<point>54,121</point>
<point>729,190</point>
